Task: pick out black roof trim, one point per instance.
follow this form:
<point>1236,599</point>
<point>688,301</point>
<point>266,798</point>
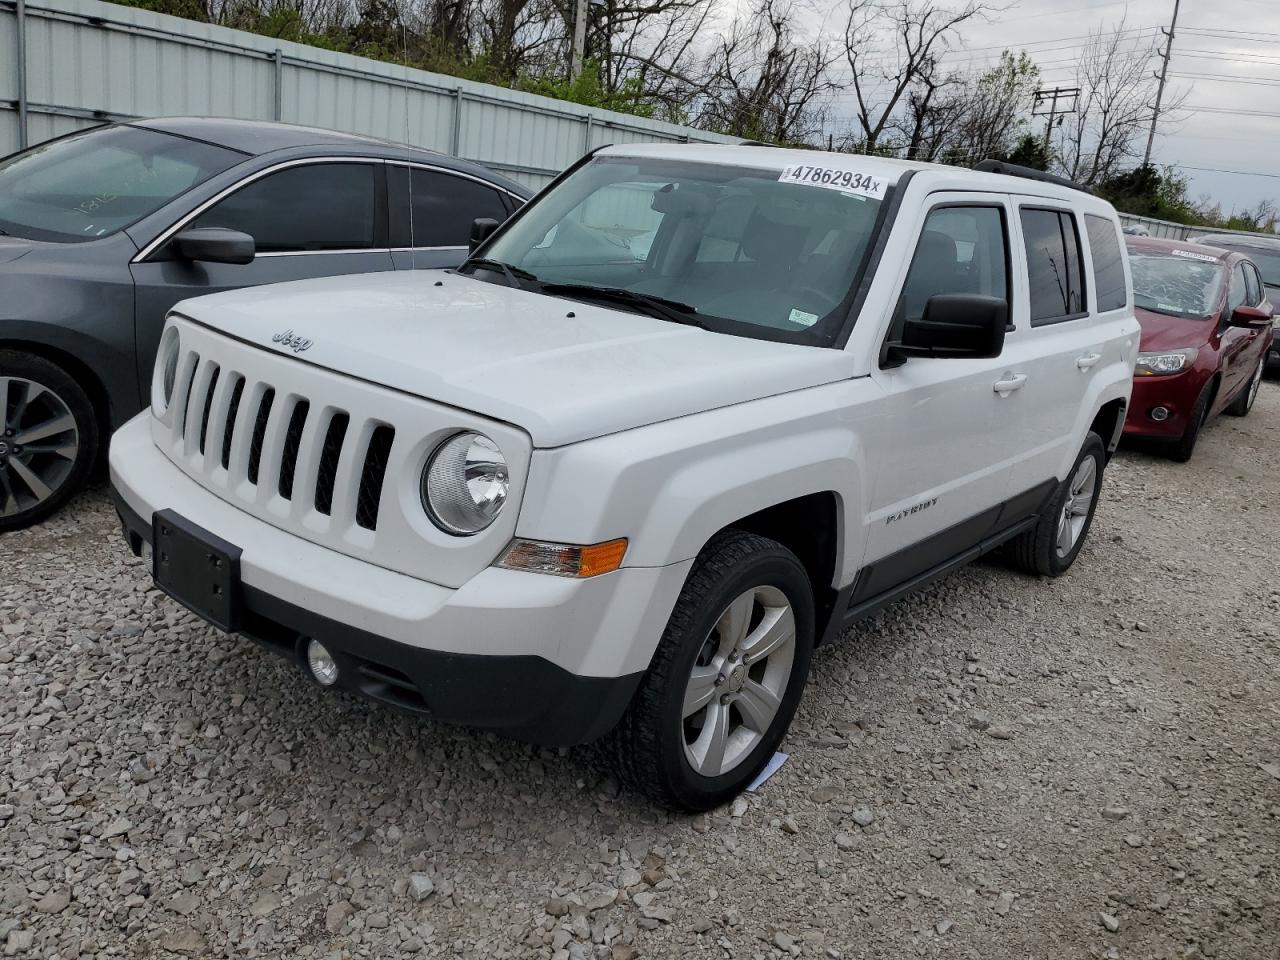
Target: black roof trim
<point>1028,173</point>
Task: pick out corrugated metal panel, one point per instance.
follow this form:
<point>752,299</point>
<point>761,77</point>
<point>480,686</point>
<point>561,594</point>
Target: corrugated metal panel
<point>88,61</point>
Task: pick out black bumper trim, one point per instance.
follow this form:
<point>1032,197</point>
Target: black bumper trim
<point>524,697</point>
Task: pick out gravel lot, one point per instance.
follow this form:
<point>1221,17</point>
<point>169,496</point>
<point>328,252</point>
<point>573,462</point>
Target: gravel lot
<point>999,767</point>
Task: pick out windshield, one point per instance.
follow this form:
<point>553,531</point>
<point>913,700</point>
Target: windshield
<point>95,183</point>
<point>1181,286</point>
<point>741,251</point>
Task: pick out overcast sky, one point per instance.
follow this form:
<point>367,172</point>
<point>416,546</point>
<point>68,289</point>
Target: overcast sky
<point>1234,39</point>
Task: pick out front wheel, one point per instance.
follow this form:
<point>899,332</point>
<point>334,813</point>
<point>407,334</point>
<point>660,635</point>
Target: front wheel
<point>48,438</point>
<point>1051,546</point>
<point>726,677</point>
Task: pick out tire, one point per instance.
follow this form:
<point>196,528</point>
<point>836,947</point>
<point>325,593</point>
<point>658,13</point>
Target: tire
<point>1243,402</point>
<point>651,749</point>
<point>39,476</point>
<point>1185,446</point>
<point>1039,549</point>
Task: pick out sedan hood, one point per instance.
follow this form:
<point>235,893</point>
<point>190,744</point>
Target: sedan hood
<point>1160,331</point>
<point>562,369</point>
<point>11,248</point>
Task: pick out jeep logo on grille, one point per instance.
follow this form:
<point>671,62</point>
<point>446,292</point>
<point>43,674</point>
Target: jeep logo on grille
<point>292,340</point>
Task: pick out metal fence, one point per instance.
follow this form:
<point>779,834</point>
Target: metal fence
<point>67,64</point>
<point>1178,231</point>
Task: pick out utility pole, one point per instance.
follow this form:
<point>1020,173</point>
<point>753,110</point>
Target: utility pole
<point>579,37</point>
<point>1162,76</point>
<point>1061,101</point>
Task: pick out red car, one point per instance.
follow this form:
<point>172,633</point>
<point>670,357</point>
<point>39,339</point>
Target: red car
<point>1206,331</point>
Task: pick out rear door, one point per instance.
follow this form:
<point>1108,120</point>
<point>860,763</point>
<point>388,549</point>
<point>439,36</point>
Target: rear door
<point>1058,342</point>
<point>311,218</point>
<point>431,210</point>
<point>941,448</point>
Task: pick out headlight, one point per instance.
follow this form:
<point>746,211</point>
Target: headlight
<point>1164,364</point>
<point>166,370</point>
<point>465,484</point>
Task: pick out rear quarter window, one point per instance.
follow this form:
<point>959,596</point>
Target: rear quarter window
<point>1108,265</point>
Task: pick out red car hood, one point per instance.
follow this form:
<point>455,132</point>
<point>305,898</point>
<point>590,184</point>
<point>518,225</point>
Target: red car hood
<point>1160,331</point>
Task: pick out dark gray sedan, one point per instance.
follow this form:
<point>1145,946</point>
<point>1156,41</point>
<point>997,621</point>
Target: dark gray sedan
<point>101,232</point>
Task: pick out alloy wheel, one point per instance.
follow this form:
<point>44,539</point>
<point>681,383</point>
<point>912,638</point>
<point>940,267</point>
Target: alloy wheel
<point>738,681</point>
<point>1075,512</point>
<point>38,445</point>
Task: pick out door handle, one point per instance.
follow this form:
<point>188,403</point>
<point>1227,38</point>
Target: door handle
<point>1087,361</point>
<point>1007,385</point>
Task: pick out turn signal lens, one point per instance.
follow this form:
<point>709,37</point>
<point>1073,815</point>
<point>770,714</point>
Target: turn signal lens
<point>564,559</point>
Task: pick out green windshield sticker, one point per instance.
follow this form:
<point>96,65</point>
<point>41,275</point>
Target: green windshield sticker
<point>803,319</point>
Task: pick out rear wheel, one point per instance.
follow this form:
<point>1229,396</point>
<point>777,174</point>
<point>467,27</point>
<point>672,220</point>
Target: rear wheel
<point>1051,546</point>
<point>48,441</point>
<point>1243,402</point>
<point>726,677</point>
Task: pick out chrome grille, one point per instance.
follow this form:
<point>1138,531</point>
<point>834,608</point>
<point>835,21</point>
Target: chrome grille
<point>281,444</point>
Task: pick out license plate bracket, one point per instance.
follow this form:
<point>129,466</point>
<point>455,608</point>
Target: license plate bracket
<point>197,568</point>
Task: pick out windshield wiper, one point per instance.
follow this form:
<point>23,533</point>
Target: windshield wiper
<point>508,271</point>
<point>660,307</point>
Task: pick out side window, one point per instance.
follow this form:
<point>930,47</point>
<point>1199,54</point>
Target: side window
<point>316,207</point>
<point>444,206</point>
<point>1108,266</point>
<point>962,249</point>
<point>1053,265</point>
<point>1253,284</point>
<point>1238,293</point>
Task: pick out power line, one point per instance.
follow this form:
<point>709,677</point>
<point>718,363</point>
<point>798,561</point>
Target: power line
<point>1223,35</point>
<point>1230,110</point>
<point>1242,173</point>
<point>1260,82</point>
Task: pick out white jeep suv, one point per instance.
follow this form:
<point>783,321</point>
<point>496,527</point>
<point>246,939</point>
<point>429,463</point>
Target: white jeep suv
<point>673,425</point>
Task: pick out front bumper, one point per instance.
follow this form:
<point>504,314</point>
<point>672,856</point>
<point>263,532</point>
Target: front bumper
<point>1176,394</point>
<point>545,659</point>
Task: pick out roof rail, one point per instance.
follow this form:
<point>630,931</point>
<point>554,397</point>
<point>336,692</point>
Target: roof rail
<point>1028,173</point>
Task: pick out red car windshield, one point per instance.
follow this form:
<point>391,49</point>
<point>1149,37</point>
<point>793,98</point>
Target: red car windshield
<point>1182,286</point>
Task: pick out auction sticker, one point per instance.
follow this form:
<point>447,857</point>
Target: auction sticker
<point>1192,255</point>
<point>846,181</point>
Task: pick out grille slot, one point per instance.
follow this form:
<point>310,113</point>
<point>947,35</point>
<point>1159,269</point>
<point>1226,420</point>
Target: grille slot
<point>186,394</point>
<point>259,433</point>
<point>292,441</point>
<point>327,474</point>
<point>232,409</point>
<point>208,405</point>
<point>371,476</point>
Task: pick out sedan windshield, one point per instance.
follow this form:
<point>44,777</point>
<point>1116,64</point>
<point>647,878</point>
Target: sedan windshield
<point>95,183</point>
<point>730,249</point>
<point>1177,285</point>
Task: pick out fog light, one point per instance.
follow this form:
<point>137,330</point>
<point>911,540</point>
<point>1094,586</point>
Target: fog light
<point>1159,414</point>
<point>322,664</point>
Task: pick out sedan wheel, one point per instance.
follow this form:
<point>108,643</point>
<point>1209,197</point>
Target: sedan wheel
<point>1243,403</point>
<point>48,440</point>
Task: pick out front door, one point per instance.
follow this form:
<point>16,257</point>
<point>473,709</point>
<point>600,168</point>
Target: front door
<point>313,219</point>
<point>940,450</point>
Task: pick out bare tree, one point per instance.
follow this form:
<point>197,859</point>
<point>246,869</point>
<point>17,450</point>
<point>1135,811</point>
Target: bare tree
<point>1117,93</point>
<point>920,31</point>
<point>764,80</point>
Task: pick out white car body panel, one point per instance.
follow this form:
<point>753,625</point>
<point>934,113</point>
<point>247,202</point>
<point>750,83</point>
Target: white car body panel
<point>561,370</point>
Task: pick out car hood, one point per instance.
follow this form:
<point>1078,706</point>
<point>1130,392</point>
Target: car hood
<point>11,248</point>
<point>1163,332</point>
<point>561,369</point>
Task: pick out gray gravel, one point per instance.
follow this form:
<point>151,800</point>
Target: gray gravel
<point>1000,767</point>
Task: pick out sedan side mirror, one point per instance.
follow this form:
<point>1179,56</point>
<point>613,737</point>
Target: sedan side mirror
<point>481,229</point>
<point>214,245</point>
<point>1250,317</point>
<point>953,325</point>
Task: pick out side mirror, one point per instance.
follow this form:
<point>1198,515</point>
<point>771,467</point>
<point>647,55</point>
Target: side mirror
<point>214,245</point>
<point>481,229</point>
<point>1250,317</point>
<point>953,325</point>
